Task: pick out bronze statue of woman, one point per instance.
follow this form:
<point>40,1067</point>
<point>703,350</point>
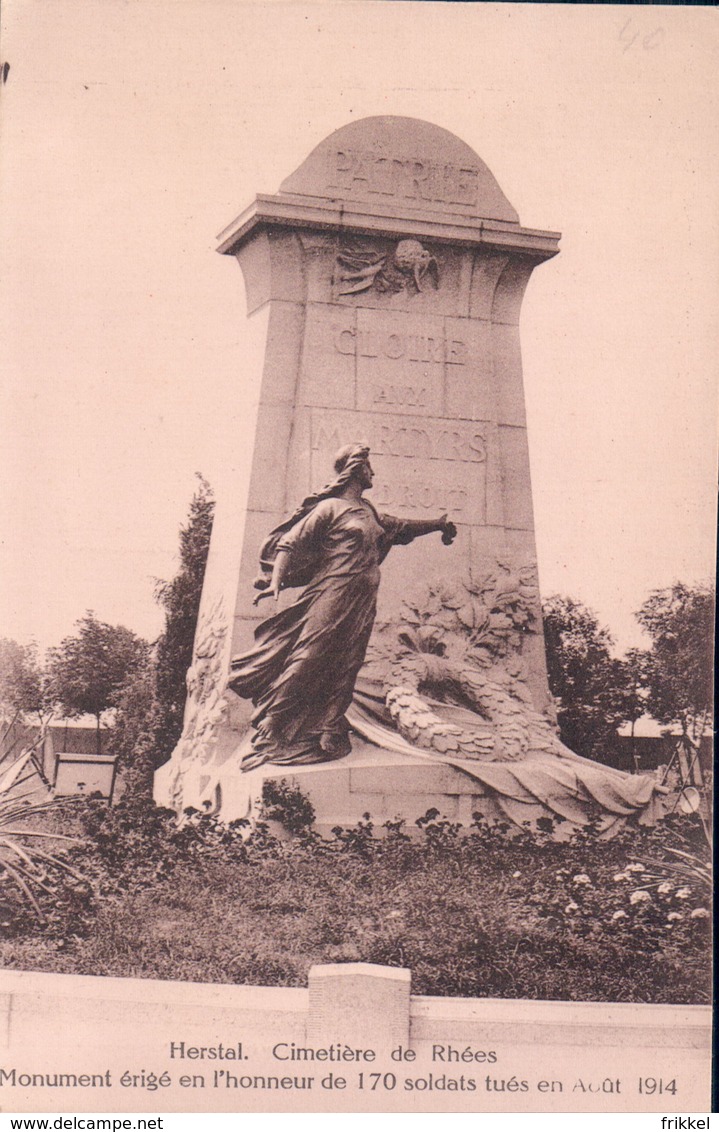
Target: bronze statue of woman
<point>301,673</point>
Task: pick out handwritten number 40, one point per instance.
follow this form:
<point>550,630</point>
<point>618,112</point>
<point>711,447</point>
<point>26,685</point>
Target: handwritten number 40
<point>628,36</point>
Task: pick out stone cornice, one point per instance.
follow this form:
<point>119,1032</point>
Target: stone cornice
<point>295,211</point>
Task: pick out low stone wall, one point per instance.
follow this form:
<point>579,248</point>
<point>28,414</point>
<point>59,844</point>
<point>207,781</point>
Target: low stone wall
<point>354,1040</point>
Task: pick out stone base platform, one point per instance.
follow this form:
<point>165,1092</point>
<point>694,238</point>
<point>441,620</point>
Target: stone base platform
<point>370,780</point>
<point>385,785</point>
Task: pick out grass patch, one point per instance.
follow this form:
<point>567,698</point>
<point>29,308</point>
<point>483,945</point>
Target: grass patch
<point>481,915</point>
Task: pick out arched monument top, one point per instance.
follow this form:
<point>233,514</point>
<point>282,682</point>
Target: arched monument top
<point>398,178</point>
<point>404,162</point>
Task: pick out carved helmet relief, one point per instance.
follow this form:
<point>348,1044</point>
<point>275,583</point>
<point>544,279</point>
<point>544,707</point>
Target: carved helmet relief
<point>407,268</point>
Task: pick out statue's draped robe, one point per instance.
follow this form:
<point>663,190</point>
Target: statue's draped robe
<point>301,673</point>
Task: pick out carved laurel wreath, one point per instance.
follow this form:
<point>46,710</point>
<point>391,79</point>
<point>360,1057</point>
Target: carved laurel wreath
<point>459,643</point>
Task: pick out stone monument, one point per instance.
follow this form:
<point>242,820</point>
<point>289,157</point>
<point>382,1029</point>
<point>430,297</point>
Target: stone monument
<point>385,280</point>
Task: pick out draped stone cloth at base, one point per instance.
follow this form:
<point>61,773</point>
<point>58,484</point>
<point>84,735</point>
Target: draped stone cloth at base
<point>569,789</point>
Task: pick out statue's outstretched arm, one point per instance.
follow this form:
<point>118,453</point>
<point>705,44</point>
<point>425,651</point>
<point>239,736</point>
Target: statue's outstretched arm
<point>418,527</point>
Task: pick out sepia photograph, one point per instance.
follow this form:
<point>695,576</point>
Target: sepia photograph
<point>358,545</point>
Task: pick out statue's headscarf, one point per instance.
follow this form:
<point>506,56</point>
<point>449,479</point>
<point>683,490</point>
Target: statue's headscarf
<point>347,462</point>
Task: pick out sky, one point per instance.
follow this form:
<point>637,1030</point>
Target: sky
<point>134,131</point>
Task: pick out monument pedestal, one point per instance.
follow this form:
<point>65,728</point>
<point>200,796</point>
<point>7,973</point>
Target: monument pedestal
<point>387,786</point>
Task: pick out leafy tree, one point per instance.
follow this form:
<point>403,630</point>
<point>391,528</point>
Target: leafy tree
<point>150,708</point>
<point>679,667</point>
<point>134,736</point>
<point>88,671</point>
<point>593,688</point>
<point>181,601</point>
<point>23,683</point>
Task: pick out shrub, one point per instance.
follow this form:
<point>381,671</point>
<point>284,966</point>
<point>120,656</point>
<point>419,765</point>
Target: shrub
<point>287,805</point>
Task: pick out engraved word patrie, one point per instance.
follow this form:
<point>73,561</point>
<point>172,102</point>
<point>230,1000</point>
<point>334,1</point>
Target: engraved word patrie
<point>411,178</point>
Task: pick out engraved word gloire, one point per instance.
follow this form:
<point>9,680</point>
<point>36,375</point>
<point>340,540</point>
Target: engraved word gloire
<point>407,178</point>
<point>413,347</point>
